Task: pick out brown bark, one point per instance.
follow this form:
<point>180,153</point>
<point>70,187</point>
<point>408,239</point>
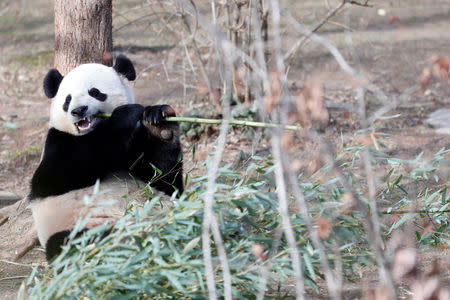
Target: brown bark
<point>83,33</point>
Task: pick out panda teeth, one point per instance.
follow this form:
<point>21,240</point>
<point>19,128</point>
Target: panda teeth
<point>87,124</point>
<point>84,124</point>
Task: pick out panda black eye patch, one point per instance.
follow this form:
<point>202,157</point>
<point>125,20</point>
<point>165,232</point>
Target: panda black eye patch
<point>94,92</point>
<point>67,102</point>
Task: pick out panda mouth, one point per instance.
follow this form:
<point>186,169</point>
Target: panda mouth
<point>88,123</point>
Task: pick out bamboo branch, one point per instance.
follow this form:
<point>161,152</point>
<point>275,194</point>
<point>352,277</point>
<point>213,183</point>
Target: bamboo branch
<point>420,211</point>
<point>220,121</point>
<point>233,122</point>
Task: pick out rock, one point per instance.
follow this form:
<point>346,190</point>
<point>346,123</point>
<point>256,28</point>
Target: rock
<point>440,119</point>
<point>7,198</point>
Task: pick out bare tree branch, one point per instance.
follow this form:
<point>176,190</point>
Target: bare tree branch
<point>276,150</point>
<point>285,219</point>
<point>375,236</point>
<point>332,284</point>
<point>302,41</point>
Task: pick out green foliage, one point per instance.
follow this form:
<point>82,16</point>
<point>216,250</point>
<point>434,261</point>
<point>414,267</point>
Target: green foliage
<point>155,251</point>
<point>429,201</point>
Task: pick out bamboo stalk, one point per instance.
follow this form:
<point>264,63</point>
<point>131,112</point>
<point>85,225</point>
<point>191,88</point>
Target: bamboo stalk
<point>231,122</point>
<point>401,212</point>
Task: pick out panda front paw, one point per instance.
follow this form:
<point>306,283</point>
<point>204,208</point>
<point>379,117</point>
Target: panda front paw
<point>154,120</point>
<point>157,113</point>
<point>127,116</point>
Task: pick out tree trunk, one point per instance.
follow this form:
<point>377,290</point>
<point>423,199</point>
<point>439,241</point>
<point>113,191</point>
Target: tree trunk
<point>83,33</point>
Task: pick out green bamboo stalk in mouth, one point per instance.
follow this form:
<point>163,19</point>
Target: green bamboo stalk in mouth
<point>220,121</point>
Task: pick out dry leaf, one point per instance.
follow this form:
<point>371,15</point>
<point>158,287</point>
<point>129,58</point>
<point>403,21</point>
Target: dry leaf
<point>347,202</point>
<point>311,106</point>
<point>287,140</point>
<point>317,106</point>
<point>434,58</point>
<point>346,114</point>
<point>444,63</point>
<point>440,66</point>
<point>428,227</point>
<point>323,227</point>
<point>258,252</point>
<point>239,82</point>
<point>424,79</point>
<point>302,108</point>
<point>202,89</point>
<point>380,293</point>
<point>443,71</point>
<point>273,96</point>
<point>364,140</point>
<point>296,165</point>
<point>405,261</point>
<point>427,288</point>
<point>313,166</point>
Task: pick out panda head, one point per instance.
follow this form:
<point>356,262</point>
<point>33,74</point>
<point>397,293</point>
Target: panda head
<point>86,91</point>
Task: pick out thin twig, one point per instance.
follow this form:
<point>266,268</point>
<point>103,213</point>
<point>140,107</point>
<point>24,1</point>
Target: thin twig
<point>337,56</point>
<point>13,278</point>
<point>267,265</point>
<point>209,219</point>
<point>393,104</point>
<point>285,219</point>
<point>137,20</point>
<point>210,222</point>
<point>15,263</point>
<point>365,4</point>
<point>219,37</point>
<point>375,232</point>
<point>302,41</point>
<point>193,32</point>
<point>276,150</point>
<point>333,286</point>
<point>389,103</point>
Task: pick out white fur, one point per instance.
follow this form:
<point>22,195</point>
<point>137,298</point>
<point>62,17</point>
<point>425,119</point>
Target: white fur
<point>57,213</point>
<point>77,83</point>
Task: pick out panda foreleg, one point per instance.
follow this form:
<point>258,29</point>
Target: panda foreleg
<point>159,141</point>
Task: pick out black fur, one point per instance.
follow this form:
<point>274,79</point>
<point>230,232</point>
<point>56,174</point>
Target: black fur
<point>165,155</point>
<point>94,92</point>
<point>125,67</point>
<point>51,83</point>
<point>67,103</point>
<point>57,240</point>
<point>54,243</point>
<point>73,162</point>
<point>80,111</point>
<point>116,144</point>
<point>127,141</point>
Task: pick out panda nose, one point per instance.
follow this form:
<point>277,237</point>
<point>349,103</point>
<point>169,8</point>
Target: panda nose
<point>79,111</point>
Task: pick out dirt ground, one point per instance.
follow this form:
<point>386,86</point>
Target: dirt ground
<point>393,49</point>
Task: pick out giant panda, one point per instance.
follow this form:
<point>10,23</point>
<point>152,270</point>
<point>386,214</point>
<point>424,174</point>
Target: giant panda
<point>126,151</point>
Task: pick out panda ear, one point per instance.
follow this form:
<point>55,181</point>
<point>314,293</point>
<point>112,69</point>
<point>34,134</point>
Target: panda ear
<point>125,67</point>
<point>51,83</point>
